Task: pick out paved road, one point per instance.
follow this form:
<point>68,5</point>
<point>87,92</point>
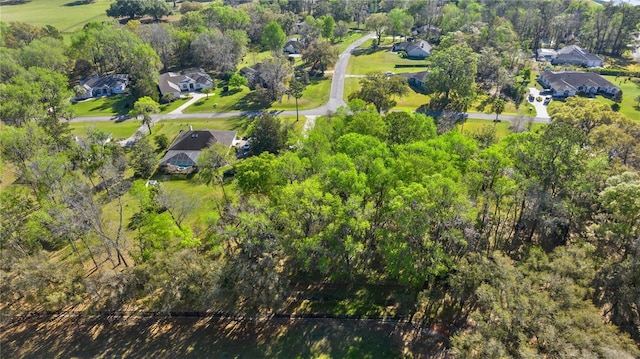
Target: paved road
<point>336,100</point>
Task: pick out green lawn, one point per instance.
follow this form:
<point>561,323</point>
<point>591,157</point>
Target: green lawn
<point>104,106</point>
<point>237,99</point>
<point>116,129</point>
<point>166,108</point>
<point>348,40</point>
<point>243,99</point>
<point>381,60</point>
<point>630,90</point>
<point>62,14</point>
<point>411,102</point>
<point>315,95</point>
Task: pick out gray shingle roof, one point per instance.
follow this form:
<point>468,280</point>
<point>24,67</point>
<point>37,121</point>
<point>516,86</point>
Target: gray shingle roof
<point>168,82</point>
<point>188,145</point>
<point>573,80</point>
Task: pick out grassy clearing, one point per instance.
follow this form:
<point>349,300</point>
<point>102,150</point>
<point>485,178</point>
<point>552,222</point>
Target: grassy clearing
<point>411,102</point>
<point>315,95</point>
<point>380,60</point>
<point>116,129</point>
<point>243,99</point>
<point>104,106</point>
<point>348,40</point>
<point>62,14</point>
<point>168,107</point>
<point>237,99</point>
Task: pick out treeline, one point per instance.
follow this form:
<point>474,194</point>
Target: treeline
<point>515,246</point>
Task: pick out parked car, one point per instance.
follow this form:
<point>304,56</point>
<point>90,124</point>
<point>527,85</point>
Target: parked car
<point>531,98</point>
<point>547,100</point>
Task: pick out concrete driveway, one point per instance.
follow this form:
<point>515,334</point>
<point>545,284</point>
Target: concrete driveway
<point>541,108</point>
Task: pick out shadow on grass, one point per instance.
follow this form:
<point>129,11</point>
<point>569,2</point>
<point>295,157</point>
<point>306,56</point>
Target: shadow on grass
<point>369,50</point>
<point>77,3</point>
<point>120,105</point>
<point>231,92</point>
<point>251,102</point>
<point>240,124</point>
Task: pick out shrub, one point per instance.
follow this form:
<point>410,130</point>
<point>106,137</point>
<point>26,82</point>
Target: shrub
<point>615,107</point>
<point>538,98</point>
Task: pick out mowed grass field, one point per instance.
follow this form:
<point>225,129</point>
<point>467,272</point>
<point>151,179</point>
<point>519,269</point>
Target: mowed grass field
<point>64,15</point>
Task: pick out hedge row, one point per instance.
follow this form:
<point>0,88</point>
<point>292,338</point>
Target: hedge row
<point>616,72</point>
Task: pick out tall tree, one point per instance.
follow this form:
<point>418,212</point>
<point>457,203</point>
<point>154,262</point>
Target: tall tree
<point>144,107</point>
<point>380,90</point>
<point>267,134</point>
<point>399,22</point>
<point>273,38</point>
<point>320,54</point>
<point>296,89</point>
<point>377,22</point>
<point>452,75</point>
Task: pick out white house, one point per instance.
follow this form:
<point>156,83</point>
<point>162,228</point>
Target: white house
<point>573,55</point>
<point>415,49</point>
<point>96,86</point>
<point>185,81</point>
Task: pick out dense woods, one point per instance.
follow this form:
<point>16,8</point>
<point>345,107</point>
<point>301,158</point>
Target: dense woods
<point>522,246</point>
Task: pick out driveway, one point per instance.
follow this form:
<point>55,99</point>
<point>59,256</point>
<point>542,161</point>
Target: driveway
<point>541,108</point>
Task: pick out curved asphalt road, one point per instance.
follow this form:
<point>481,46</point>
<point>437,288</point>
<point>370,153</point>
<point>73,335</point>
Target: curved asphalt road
<point>336,100</point>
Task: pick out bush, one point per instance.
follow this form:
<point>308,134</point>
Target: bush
<point>615,107</point>
<point>538,98</point>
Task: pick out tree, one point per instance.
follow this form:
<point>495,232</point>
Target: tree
<point>453,70</point>
<point>399,22</point>
<point>207,91</point>
<point>406,128</point>
<point>143,158</point>
<point>158,9</point>
<point>237,80</point>
<point>48,53</point>
<point>320,54</point>
<point>380,90</point>
<point>209,163</point>
<point>341,30</point>
<point>144,107</point>
<point>377,23</point>
<point>497,107</point>
<point>275,72</point>
<point>163,41</point>
<point>225,17</point>
<point>130,8</point>
<point>273,38</point>
<point>296,89</point>
<point>328,26</point>
<point>162,142</point>
<point>219,51</point>
<point>267,134</point>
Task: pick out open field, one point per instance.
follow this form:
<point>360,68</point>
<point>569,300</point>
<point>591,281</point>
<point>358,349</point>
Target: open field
<point>411,102</point>
<point>62,14</point>
<point>380,60</point>
<point>117,130</point>
<point>315,95</point>
<point>104,106</point>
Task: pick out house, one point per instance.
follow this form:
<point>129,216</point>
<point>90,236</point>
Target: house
<point>426,30</point>
<point>182,155</point>
<point>415,49</point>
<point>416,79</point>
<point>572,55</point>
<point>96,86</point>
<point>570,83</point>
<point>252,73</point>
<point>293,46</point>
<point>187,80</point>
